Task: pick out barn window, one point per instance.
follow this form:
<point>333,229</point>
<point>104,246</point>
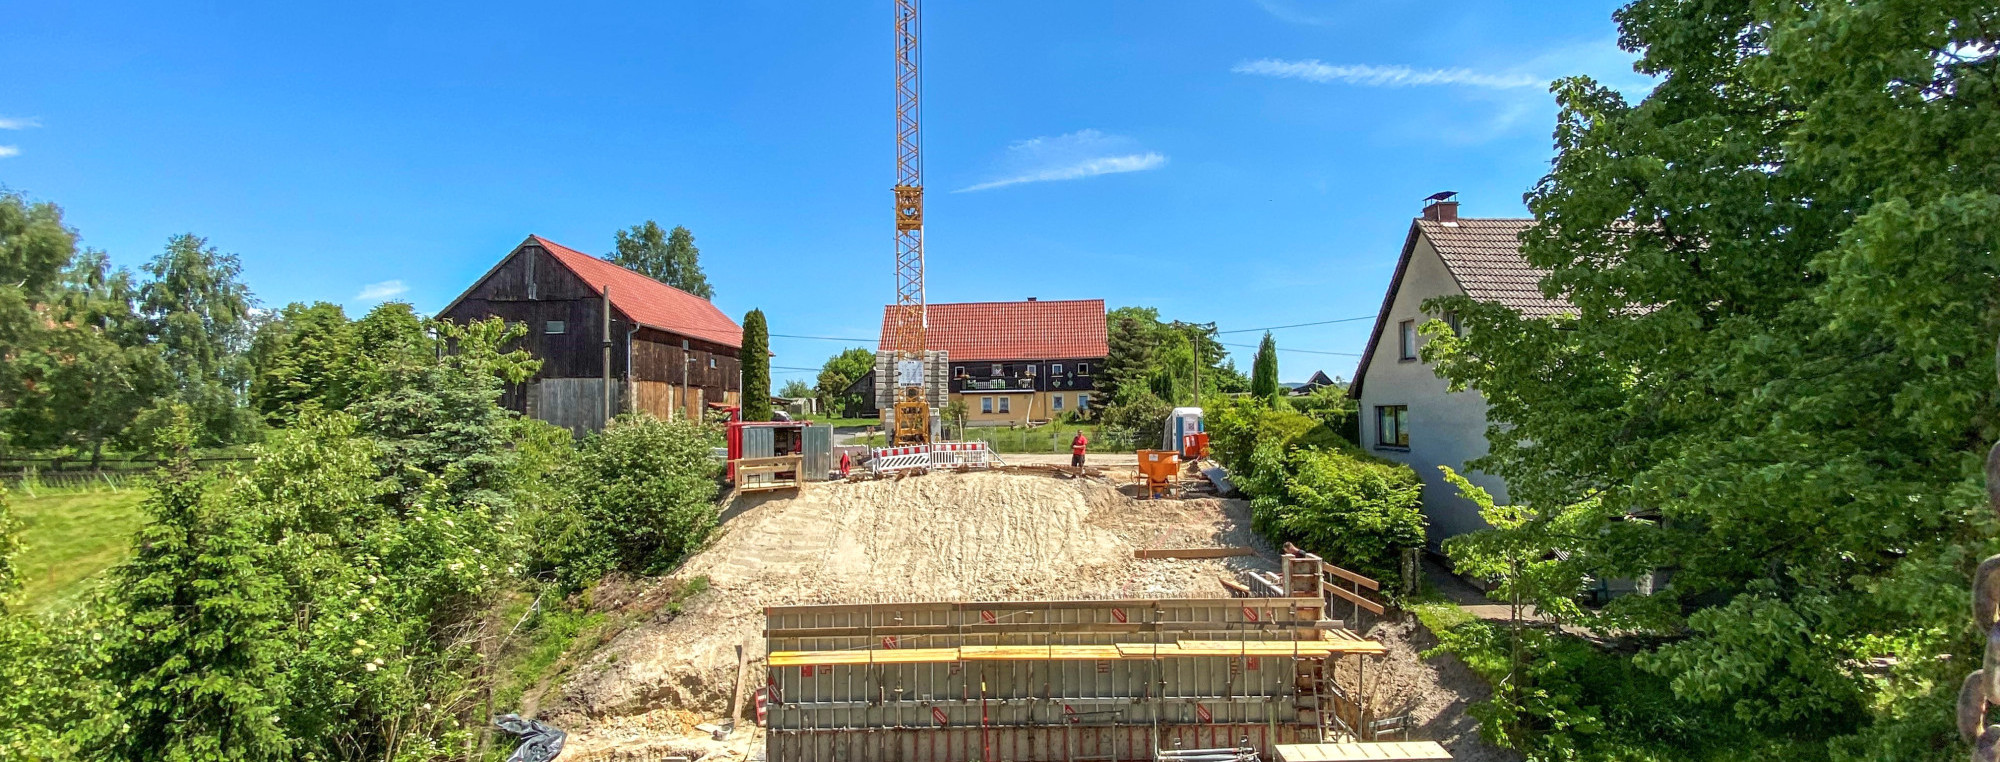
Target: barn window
<point>711,361</point>
<point>554,326</point>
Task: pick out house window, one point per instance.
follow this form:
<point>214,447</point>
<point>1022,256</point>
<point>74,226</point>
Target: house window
<point>1003,404</point>
<point>1082,400</point>
<point>1055,369</point>
<point>986,404</point>
<point>1406,339</point>
<point>1451,319</point>
<point>958,372</point>
<point>1392,424</point>
<point>998,369</point>
<point>554,327</point>
<point>1083,369</point>
<point>1055,402</point>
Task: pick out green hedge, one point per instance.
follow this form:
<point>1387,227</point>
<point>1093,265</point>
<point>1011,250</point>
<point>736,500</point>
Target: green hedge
<point>1310,486</point>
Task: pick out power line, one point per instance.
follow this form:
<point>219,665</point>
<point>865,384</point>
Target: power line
<point>817,338</point>
<point>1289,349</point>
<point>1300,325</point>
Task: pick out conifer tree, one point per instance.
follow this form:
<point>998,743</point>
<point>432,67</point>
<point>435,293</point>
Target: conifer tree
<point>1264,369</point>
<point>756,363</point>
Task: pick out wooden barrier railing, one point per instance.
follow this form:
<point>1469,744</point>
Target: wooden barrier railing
<point>780,472</point>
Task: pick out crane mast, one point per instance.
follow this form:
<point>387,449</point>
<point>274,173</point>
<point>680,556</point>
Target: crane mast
<point>909,321</point>
<point>912,410</point>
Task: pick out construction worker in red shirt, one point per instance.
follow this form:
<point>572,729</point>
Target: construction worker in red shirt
<point>1076,448</point>
<point>844,464</point>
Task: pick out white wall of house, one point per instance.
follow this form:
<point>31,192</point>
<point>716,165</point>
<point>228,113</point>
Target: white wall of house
<point>1445,428</point>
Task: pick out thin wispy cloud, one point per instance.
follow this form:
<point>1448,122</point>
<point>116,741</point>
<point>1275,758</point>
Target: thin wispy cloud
<point>1315,70</point>
<point>18,122</point>
<point>6,151</point>
<point>1073,156</point>
<point>376,292</point>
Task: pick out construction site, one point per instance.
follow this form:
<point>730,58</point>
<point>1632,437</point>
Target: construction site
<point>1006,614</point>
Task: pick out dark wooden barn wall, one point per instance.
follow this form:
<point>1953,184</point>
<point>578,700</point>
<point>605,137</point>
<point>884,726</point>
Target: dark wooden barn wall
<point>532,288</point>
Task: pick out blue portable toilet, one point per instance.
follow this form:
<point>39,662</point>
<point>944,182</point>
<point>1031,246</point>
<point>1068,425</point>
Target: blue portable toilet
<point>1180,423</point>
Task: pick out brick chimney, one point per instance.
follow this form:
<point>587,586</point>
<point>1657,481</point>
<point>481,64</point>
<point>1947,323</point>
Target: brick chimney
<point>1442,207</point>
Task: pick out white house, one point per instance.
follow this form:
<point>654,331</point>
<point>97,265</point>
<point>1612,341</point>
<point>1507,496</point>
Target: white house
<point>1407,414</point>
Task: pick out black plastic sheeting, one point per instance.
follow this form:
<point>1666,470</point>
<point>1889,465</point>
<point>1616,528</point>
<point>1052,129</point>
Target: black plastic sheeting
<point>540,742</point>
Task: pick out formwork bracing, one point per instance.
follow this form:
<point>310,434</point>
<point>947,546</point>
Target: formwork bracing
<point>1042,681</point>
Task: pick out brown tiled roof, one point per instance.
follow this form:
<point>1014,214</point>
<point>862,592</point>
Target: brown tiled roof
<point>647,301</point>
<point>1484,255</point>
<point>1036,330</point>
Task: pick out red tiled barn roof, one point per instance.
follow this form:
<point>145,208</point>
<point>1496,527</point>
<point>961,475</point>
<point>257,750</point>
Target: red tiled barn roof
<point>1036,330</point>
<point>647,301</point>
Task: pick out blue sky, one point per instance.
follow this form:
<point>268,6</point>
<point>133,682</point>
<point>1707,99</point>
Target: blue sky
<point>1249,162</point>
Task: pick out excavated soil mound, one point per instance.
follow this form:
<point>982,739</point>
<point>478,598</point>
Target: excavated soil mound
<point>972,536</point>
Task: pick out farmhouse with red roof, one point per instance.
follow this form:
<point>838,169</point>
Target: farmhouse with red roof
<point>669,352</point>
<point>1017,362</point>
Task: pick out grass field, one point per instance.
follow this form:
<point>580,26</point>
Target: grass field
<point>71,536</point>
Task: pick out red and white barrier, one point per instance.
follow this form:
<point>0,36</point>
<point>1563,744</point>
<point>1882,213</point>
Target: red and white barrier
<point>885,460</point>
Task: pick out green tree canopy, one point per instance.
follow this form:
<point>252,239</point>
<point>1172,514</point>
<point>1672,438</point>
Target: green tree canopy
<point>841,371</point>
<point>1778,378</point>
<point>668,257</point>
<point>307,354</point>
<point>756,363</point>
<point>198,313</point>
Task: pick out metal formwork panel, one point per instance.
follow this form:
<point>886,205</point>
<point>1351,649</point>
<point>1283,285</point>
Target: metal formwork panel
<point>816,446</point>
<point>1033,709</point>
<point>759,442</point>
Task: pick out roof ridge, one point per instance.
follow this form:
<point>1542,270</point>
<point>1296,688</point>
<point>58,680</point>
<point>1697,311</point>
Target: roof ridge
<point>547,242</point>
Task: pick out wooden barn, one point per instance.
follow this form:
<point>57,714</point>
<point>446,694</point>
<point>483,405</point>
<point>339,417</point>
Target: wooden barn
<point>668,352</point>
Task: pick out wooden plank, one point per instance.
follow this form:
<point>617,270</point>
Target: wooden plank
<point>1354,577</point>
<point>865,656</point>
<point>1392,751</point>
<point>1192,552</point>
<point>1039,653</point>
<point>1355,598</point>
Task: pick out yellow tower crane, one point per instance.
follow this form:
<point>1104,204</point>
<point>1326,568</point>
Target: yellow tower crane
<point>907,322</point>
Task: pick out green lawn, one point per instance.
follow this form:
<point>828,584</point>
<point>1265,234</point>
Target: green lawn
<point>1045,439</point>
<point>70,537</point>
<point>844,422</point>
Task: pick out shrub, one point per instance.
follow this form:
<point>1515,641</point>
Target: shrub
<point>642,495</point>
<point>1237,427</point>
<point>1353,509</point>
<point>1137,417</point>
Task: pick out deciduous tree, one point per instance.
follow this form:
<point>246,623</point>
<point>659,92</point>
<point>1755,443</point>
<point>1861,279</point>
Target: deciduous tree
<point>668,257</point>
<point>198,314</point>
<point>1778,377</point>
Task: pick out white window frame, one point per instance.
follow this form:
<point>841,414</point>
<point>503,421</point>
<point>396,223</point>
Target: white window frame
<point>1055,369</point>
<point>1406,340</point>
<point>1004,406</point>
<point>1082,402</point>
<point>986,405</point>
<point>1083,369</point>
<point>999,370</point>
<point>1055,402</point>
